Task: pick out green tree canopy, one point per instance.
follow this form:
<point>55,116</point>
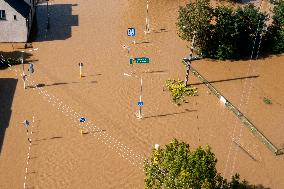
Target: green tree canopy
<point>195,17</point>
<point>176,166</point>
<point>274,38</point>
<point>222,32</point>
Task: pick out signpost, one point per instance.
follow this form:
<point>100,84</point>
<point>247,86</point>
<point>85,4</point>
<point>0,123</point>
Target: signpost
<point>26,124</point>
<point>80,66</point>
<point>131,60</point>
<point>131,32</point>
<point>82,120</point>
<point>24,77</point>
<point>140,103</point>
<point>31,69</point>
<point>142,60</point>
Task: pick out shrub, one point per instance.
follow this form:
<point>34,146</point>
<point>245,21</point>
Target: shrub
<point>179,90</point>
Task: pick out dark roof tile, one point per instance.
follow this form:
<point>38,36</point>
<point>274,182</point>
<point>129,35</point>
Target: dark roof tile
<point>20,6</point>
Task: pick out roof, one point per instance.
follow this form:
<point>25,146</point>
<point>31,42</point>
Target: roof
<point>20,6</point>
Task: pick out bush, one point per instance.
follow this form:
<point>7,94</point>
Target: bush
<point>179,90</point>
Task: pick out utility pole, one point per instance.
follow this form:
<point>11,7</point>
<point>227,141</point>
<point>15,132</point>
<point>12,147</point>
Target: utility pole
<point>187,61</point>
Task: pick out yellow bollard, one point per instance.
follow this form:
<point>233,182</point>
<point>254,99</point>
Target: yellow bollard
<point>81,132</point>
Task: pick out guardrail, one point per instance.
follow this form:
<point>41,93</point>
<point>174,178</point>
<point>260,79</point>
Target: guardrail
<point>239,114</point>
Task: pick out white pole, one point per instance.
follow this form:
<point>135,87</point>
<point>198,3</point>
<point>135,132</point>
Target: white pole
<point>140,100</point>
<point>22,61</point>
<point>24,79</point>
<point>147,18</point>
<point>80,71</point>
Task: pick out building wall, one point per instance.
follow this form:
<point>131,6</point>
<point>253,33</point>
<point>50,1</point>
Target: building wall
<point>12,30</point>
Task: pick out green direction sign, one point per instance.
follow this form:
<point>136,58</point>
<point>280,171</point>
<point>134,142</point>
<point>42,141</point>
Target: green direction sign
<point>142,60</point>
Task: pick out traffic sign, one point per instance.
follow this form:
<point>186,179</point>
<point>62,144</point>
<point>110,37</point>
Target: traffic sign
<point>142,60</point>
<point>131,60</point>
<point>131,32</point>
<point>140,104</point>
<point>26,123</point>
<point>31,68</point>
<point>82,120</point>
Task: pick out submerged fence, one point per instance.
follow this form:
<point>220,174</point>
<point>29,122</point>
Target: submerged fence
<point>239,114</point>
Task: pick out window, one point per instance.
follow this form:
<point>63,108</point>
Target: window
<point>2,15</point>
<point>15,17</point>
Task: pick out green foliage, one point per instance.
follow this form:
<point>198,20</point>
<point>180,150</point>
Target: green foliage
<point>267,100</point>
<point>274,38</point>
<point>222,32</point>
<point>179,90</point>
<point>176,166</point>
<point>278,14</point>
<point>195,17</point>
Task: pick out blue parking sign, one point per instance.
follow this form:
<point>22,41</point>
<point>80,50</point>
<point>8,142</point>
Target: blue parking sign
<point>82,120</point>
<point>140,104</point>
<point>131,32</point>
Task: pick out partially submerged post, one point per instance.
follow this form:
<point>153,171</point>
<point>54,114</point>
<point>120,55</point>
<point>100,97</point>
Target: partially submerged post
<point>80,67</point>
<point>140,103</point>
<point>147,27</point>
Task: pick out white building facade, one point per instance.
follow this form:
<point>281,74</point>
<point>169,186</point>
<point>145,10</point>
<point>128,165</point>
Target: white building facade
<point>16,18</point>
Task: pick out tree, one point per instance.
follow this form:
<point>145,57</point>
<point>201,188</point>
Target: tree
<point>225,36</point>
<point>222,32</point>
<point>176,166</point>
<point>250,22</point>
<point>274,38</point>
<point>195,17</point>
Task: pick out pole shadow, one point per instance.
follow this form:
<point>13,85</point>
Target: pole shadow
<point>169,114</point>
<point>7,92</point>
<point>45,85</point>
<point>233,79</point>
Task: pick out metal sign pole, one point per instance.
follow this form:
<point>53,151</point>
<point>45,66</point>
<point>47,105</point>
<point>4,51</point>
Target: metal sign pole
<point>147,18</point>
<point>22,62</point>
<point>140,100</point>
<point>80,68</point>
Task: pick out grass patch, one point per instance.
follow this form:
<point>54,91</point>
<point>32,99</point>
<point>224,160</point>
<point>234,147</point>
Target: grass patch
<point>267,100</point>
<point>179,91</point>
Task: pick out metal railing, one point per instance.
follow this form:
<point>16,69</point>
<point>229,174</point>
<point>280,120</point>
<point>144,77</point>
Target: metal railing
<point>240,115</point>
